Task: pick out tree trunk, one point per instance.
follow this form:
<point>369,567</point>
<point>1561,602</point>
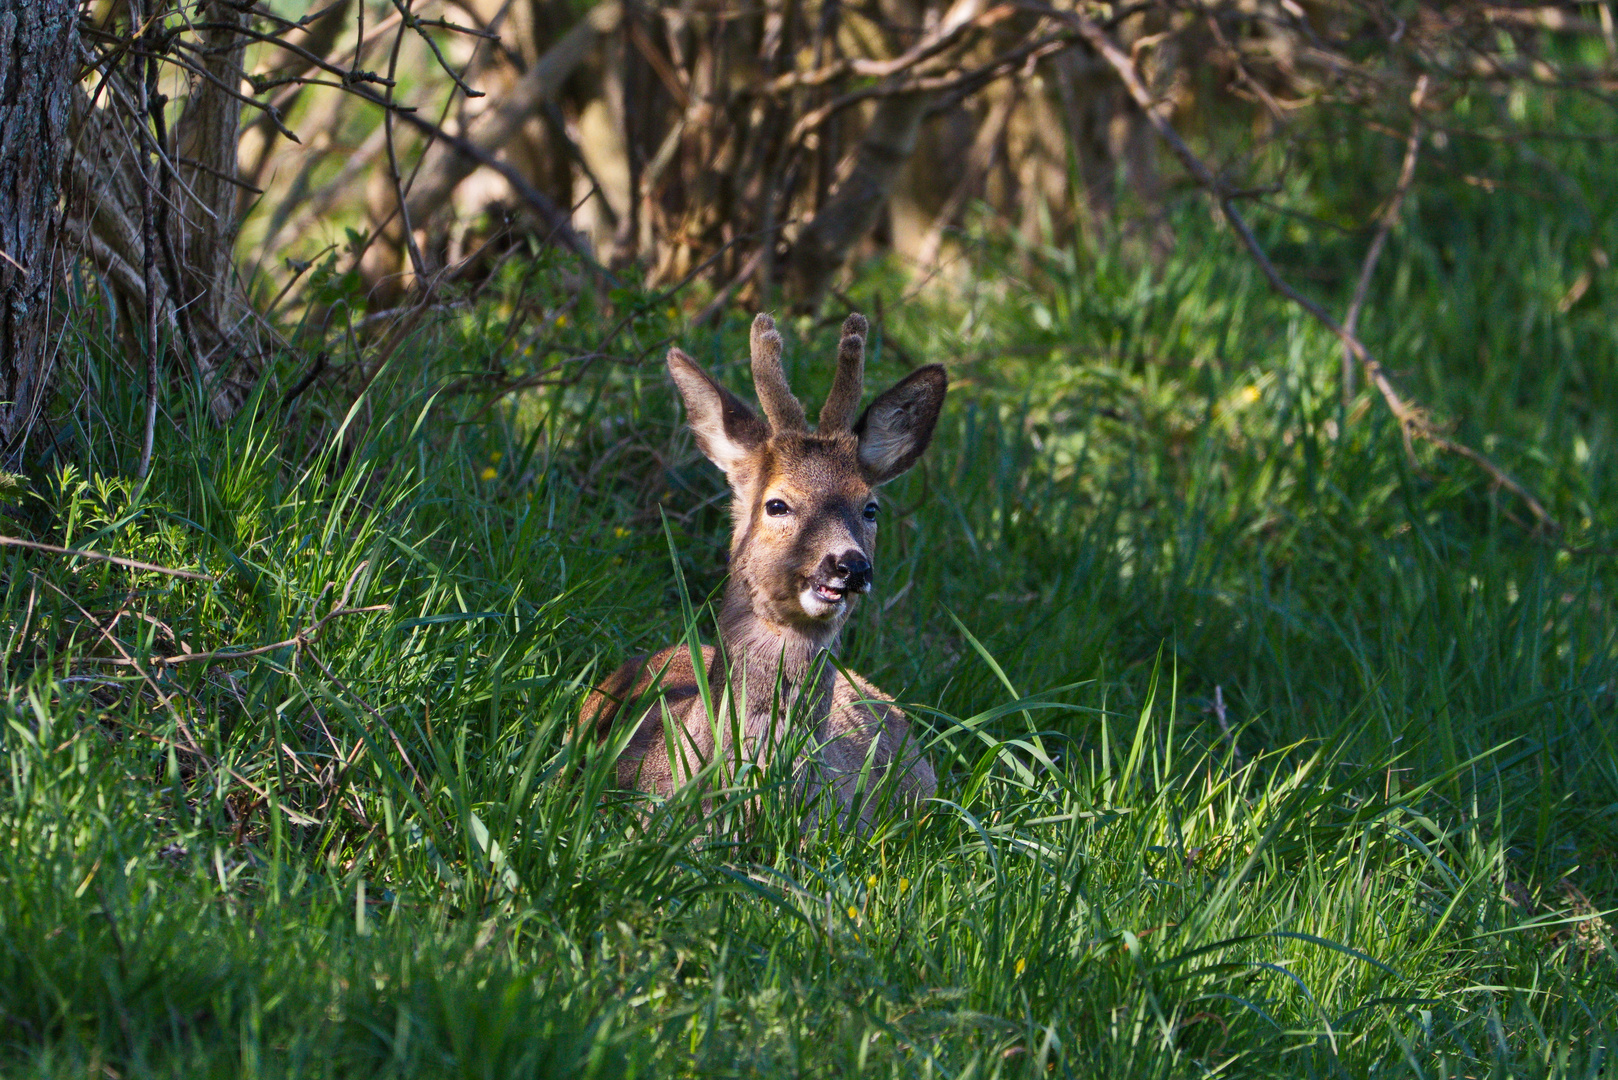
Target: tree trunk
<point>198,299</point>
<point>857,201</point>
<point>213,311</point>
<point>38,55</point>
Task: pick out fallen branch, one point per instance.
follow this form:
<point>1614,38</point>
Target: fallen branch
<point>96,556</point>
<point>398,743</point>
<point>1414,422</point>
<point>300,640</point>
<point>165,700</point>
<point>1407,174</point>
<point>502,385</point>
<point>303,640</point>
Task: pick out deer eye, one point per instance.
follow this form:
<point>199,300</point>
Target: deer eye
<point>870,512</point>
<point>777,508</point>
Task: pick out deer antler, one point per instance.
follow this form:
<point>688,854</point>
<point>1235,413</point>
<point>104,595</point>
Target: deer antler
<point>838,412</point>
<point>780,407</point>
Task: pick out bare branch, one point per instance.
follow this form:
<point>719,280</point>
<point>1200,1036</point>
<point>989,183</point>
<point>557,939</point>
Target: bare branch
<point>96,556</point>
<point>949,83</point>
<point>1407,174</point>
<point>1413,421</point>
<point>947,35</point>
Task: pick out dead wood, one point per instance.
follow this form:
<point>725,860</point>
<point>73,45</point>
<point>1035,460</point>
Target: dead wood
<point>1407,175</point>
<point>96,556</point>
<point>449,160</point>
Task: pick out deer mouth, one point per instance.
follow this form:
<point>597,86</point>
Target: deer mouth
<point>823,599</point>
<point>828,593</point>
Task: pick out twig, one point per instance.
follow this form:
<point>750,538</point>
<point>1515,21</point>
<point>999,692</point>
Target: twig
<point>283,100</point>
<point>558,126</point>
<point>263,84</point>
<point>398,744</point>
<point>417,266</point>
<point>673,290</point>
<point>1242,74</point>
<point>307,381</point>
<point>979,159</point>
<point>19,634</point>
<point>944,83</point>
<point>300,640</point>
<point>722,298</point>
<point>171,261</point>
<point>1407,174</point>
<point>544,377</point>
<point>167,701</point>
<point>416,24</point>
<point>303,641</point>
<point>269,111</point>
<point>925,49</point>
<point>548,210</point>
<point>1414,423</point>
<point>148,260</point>
<point>96,556</point>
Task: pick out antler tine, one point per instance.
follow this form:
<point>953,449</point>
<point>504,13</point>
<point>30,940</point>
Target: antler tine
<point>838,412</point>
<point>782,409</point>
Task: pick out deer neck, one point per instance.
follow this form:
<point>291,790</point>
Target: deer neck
<point>760,655</point>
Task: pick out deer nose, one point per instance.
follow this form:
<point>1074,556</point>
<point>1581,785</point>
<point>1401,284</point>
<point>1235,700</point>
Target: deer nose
<point>855,570</point>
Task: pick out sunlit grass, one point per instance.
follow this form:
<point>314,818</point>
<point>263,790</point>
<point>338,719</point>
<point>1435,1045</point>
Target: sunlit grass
<point>1262,750</point>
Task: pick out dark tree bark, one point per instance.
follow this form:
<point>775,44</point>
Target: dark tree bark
<point>38,55</point>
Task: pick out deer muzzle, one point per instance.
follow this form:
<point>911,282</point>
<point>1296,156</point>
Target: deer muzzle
<point>839,575</point>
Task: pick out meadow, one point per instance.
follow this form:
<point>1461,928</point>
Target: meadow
<point>1265,748</point>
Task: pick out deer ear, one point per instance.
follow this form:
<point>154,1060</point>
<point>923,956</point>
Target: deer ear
<point>727,431</point>
<point>898,425</point>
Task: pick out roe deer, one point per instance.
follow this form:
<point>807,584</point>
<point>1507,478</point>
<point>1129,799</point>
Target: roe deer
<point>804,515</point>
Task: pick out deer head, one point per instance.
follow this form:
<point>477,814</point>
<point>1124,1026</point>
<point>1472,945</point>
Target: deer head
<point>804,504</point>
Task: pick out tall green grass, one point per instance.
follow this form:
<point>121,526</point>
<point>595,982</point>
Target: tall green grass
<point>1263,750</point>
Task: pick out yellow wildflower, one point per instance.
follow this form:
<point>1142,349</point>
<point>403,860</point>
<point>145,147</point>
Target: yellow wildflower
<point>853,912</point>
<point>1020,965</point>
<point>870,882</point>
<point>496,456</point>
<point>489,472</point>
<point>1249,394</point>
<point>619,531</point>
<point>561,322</point>
<point>904,884</point>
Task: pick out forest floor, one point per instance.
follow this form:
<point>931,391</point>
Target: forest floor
<point>1264,747</point>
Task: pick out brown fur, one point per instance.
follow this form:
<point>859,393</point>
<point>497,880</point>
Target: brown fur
<point>778,629</point>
